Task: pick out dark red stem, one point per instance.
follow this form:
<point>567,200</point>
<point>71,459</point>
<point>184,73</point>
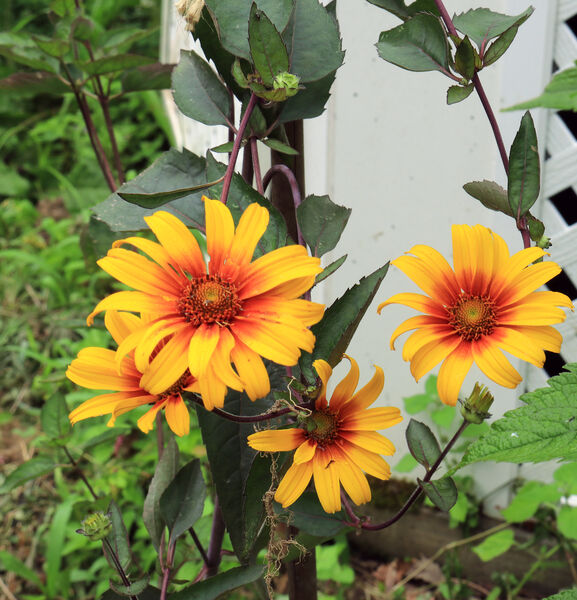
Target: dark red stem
<point>256,166</point>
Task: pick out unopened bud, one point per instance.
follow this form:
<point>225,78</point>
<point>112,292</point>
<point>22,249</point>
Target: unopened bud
<point>476,407</point>
<point>287,82</point>
<point>96,526</point>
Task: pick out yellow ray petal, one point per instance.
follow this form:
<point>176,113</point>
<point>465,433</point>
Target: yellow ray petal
<point>212,390</point>
<point>422,337</point>
<point>528,281</point>
<point>177,415</point>
<point>155,251</point>
<point>415,323</point>
<point>430,355</point>
<point>346,387</point>
<point>219,232</point>
<point>251,370</point>
<point>369,462</point>
<point>221,361</point>
<point>132,302</point>
<point>202,346</point>
<point>371,419</point>
<point>275,308</point>
<point>327,485</point>
<point>548,338</point>
<point>352,478</point>
<point>473,257</point>
<point>324,371</point>
<point>89,373</point>
<point>276,440</point>
<point>121,324</point>
<point>418,302</point>
<point>294,483</point>
<point>368,393</point>
<point>146,422</point>
<point>251,227</point>
<point>293,288</point>
<point>494,363</point>
<point>538,308</point>
<point>99,405</point>
<point>149,340</point>
<point>452,373</point>
<point>518,344</point>
<point>305,452</point>
<point>513,267</point>
<point>369,440</point>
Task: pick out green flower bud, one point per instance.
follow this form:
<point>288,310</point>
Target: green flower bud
<point>288,82</point>
<point>96,526</point>
<point>476,407</point>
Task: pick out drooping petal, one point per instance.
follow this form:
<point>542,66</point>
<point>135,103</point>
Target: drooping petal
<point>201,348</point>
<point>324,371</point>
<point>418,302</point>
<point>494,364</point>
<point>305,451</point>
<point>294,483</point>
<point>132,302</point>
<point>415,323</point>
<point>276,440</point>
<point>149,339</point>
<point>548,338</point>
<point>539,308</point>
<point>369,462</point>
<point>368,393</point>
<point>430,355</point>
<point>369,440</point>
<point>251,227</point>
<point>251,370</point>
<point>100,405</point>
<point>177,415</point>
<point>518,344</point>
<point>275,308</point>
<point>221,361</point>
<point>155,251</point>
<point>327,485</point>
<point>452,373</point>
<point>95,369</point>
<point>345,389</point>
<point>512,267</point>
<point>212,390</point>
<point>146,422</point>
<point>425,335</point>
<point>371,419</point>
<point>121,324</point>
<point>354,481</point>
<point>219,232</point>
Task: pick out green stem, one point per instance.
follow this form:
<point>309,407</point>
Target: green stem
<point>118,566</point>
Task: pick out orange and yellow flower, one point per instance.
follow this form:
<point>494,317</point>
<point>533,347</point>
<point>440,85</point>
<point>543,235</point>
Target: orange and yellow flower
<point>137,384</point>
<point>336,443</point>
<point>234,310</point>
<point>487,304</point>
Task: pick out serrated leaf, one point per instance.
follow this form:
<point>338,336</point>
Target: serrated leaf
<point>334,333</point>
<point>419,44</point>
<point>399,9</point>
<point>524,169</point>
<point>495,545</point>
<point>465,59</point>
<point>422,443</point>
<point>482,24</point>
<point>458,93</point>
<point>489,194</point>
<point>566,477</point>
<point>182,503</point>
<point>156,76</point>
<point>310,102</point>
<point>564,595</point>
<point>163,475</point>
<point>134,589</point>
<point>330,269</point>
<point>544,429</point>
<point>198,92</point>
<point>560,94</point>
<point>39,82</point>
<point>267,49</point>
<point>118,538</point>
<point>280,147</point>
<point>54,418</point>
<point>441,492</point>
<point>321,222</point>
<point>113,64</point>
<point>31,469</point>
<point>500,46</point>
<point>214,587</point>
<point>308,515</point>
<point>528,499</point>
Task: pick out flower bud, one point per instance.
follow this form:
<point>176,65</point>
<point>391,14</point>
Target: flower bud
<point>96,526</point>
<point>476,407</point>
<point>288,82</point>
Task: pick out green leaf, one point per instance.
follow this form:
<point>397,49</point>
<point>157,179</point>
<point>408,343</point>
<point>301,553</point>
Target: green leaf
<point>524,169</point>
<point>172,170</point>
<point>399,9</point>
<point>118,539</point>
<point>214,587</point>
<point>31,469</point>
<point>134,589</point>
<point>335,331</point>
<point>267,49</point>
<point>489,194</point>
<point>112,64</point>
<point>280,147</point>
<point>330,269</point>
<point>11,564</point>
<point>232,21</point>
<point>465,59</point>
<point>406,464</point>
<point>544,429</point>
<point>223,148</point>
<point>482,24</point>
<point>313,41</point>
<point>11,183</point>
<point>528,499</point>
<point>564,595</point>
<point>232,461</point>
<point>566,477</point>
<point>308,516</point>
<point>441,492</point>
<point>419,44</point>
<point>30,84</point>
<point>309,102</point>
<point>162,198</point>
<point>57,533</point>
<point>82,29</point>
<point>155,76</point>
<point>458,93</point>
<point>150,593</point>
<point>21,49</point>
<point>163,475</point>
<point>321,222</point>
<point>495,545</point>
<point>422,443</point>
<point>444,416</point>
<point>500,46</point>
<point>417,403</point>
<point>182,503</point>
<point>53,47</point>
<point>54,418</point>
<point>198,92</point>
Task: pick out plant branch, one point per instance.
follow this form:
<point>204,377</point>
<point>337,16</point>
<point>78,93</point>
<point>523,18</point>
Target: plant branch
<point>247,418</point>
<point>256,166</point>
<point>80,472</point>
<point>118,566</point>
<point>167,570</point>
<point>198,545</point>
<point>216,537</point>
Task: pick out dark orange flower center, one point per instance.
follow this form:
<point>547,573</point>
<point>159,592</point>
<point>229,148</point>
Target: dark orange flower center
<point>472,316</point>
<point>322,427</point>
<point>177,387</point>
<point>208,299</point>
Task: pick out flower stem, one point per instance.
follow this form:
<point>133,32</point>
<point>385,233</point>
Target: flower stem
<point>118,566</point>
<point>247,418</point>
<point>198,545</point>
<point>80,472</point>
<point>216,538</point>
<point>167,570</point>
<point>236,147</point>
<point>256,166</point>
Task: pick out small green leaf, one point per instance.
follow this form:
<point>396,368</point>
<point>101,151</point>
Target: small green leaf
<point>444,416</point>
<point>399,9</point>
<point>536,228</point>
<point>118,538</point>
<point>406,464</point>
<point>198,92</point>
<point>417,403</point>
<point>162,198</point>
<point>280,147</point>
<point>267,49</point>
<point>223,148</point>
<point>322,223</point>
<point>482,24</point>
<point>113,64</point>
<point>489,194</point>
<point>441,492</point>
<point>524,169</point>
<point>134,589</point>
<point>560,94</point>
<point>30,84</point>
<point>465,59</point>
<point>566,476</point>
<point>500,46</point>
<point>54,418</point>
<point>156,76</point>
<point>330,269</point>
<point>495,545</point>
<point>422,443</point>
<point>310,102</point>
<point>419,44</point>
<point>31,469</point>
<point>528,499</point>
<point>458,93</point>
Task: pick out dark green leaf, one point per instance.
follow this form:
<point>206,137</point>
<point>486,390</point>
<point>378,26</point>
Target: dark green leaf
<point>465,59</point>
<point>564,595</point>
<point>313,40</point>
<point>163,475</point>
<point>214,587</point>
<point>31,469</point>
<point>172,170</point>
<point>54,417</point>
<point>82,29</point>
<point>267,49</point>
<point>118,538</point>
<point>21,49</point>
<point>322,223</point>
<point>482,24</point>
<point>419,44</point>
<point>330,269</point>
<point>500,46</point>
<point>544,429</point>
<point>441,492</point>
<point>53,47</point>
<point>399,9</point>
<point>309,102</point>
<point>198,91</point>
<point>524,169</point>
<point>150,593</point>
<point>489,194</point>
<point>232,19</point>
<point>162,198</point>
<point>458,93</point>
<point>335,331</point>
<point>495,545</point>
<point>223,148</point>
<point>134,589</point>
<point>308,516</point>
<point>182,502</point>
<point>39,82</point>
<point>279,146</point>
<point>422,443</point>
<point>156,76</point>
<point>112,64</point>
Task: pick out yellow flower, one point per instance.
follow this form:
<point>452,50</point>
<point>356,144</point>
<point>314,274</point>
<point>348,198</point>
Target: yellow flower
<point>136,385</point>
<point>487,304</point>
<point>234,311</point>
<point>336,443</point>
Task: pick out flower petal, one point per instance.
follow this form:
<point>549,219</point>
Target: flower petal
<point>219,233</point>
<point>518,344</point>
<point>104,404</point>
<point>371,463</point>
<point>294,483</point>
<point>212,390</point>
<point>431,354</point>
<point>425,335</point>
<point>324,371</point>
<point>276,440</point>
<point>345,389</point>
<point>327,484</point>
<point>372,419</point>
<point>121,324</point>
<point>132,302</point>
<point>368,393</point>
<point>453,372</point>
<point>251,370</point>
<point>369,440</point>
<point>526,282</point>
<point>203,343</point>
<point>548,338</point>
<point>305,452</point>
<point>251,227</point>
<point>538,308</point>
<point>352,478</point>
<point>494,363</point>
<point>177,416</point>
<point>418,302</point>
<point>146,422</point>
<point>275,308</point>
<point>415,323</point>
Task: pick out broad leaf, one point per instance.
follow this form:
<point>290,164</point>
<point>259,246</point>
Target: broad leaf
<point>309,102</point>
<point>214,587</point>
<point>135,588</point>
<point>162,198</point>
<point>524,169</point>
<point>458,93</point>
<point>489,194</point>
<point>423,445</point>
<point>335,331</point>
<point>279,146</point>
<point>500,46</point>
<point>118,538</point>
<point>268,52</point>
<point>29,84</point>
<point>528,499</point>
<point>495,545</point>
<point>163,475</point>
<point>54,418</point>
<point>441,492</point>
<point>567,521</point>
<point>198,92</point>
<point>544,429</point>
<point>482,24</point>
<point>21,49</point>
<point>150,593</point>
<point>419,44</point>
<point>113,64</point>
<point>564,595</point>
<point>330,269</point>
<point>401,10</point>
<point>31,469</point>
<point>465,59</point>
<point>156,76</point>
<point>322,223</point>
<point>308,515</point>
<point>182,503</point>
